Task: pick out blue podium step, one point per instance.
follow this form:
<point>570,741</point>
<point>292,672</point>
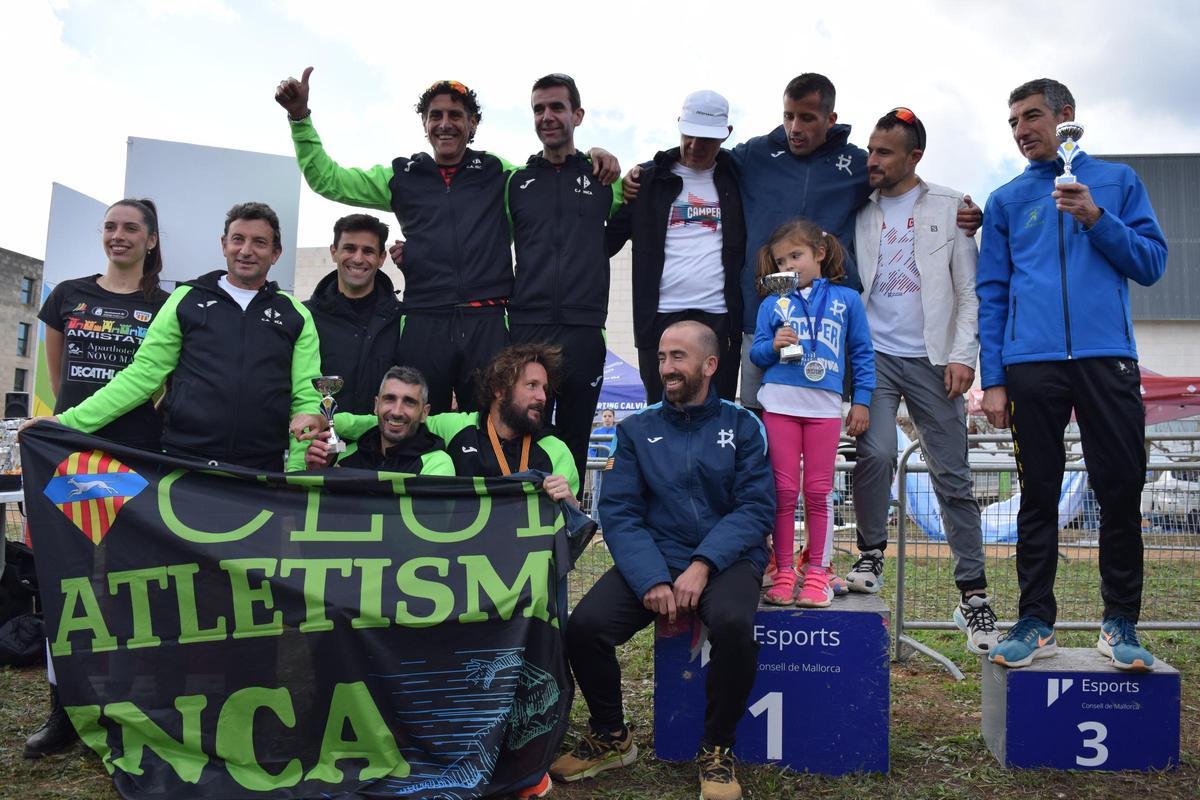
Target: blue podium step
<point>1077,711</point>
<point>820,702</point>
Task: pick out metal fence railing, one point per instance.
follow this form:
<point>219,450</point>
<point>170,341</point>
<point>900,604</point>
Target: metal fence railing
<point>922,568</point>
<point>1170,505</point>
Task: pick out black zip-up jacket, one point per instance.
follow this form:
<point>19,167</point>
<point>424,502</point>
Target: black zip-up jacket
<point>456,245</point>
<point>237,377</point>
<point>645,220</point>
<point>421,453</point>
<point>558,215</point>
<point>359,355</point>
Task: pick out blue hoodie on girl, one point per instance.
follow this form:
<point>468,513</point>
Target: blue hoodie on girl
<point>843,331</point>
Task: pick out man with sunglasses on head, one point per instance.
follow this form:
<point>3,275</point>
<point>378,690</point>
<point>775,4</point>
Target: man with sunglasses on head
<point>450,204</point>
<point>918,274</point>
<point>558,212</point>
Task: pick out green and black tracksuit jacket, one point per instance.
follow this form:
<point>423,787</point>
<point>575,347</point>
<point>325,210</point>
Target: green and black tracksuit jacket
<point>358,350</point>
<point>558,213</point>
<point>237,377</point>
<point>420,454</point>
<point>468,445</point>
<point>456,249</point>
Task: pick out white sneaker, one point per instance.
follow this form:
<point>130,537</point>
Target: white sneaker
<point>866,575</point>
<point>975,618</point>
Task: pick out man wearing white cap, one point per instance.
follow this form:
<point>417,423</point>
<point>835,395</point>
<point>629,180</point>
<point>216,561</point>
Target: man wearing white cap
<point>688,242</point>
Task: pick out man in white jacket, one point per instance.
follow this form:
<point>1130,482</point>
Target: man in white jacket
<point>918,274</point>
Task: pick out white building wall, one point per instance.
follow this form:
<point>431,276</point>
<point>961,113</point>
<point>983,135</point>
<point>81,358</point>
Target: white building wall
<point>1169,347</point>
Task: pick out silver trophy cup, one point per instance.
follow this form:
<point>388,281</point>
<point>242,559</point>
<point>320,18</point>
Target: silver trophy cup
<point>1069,134</point>
<point>782,284</point>
<point>328,386</point>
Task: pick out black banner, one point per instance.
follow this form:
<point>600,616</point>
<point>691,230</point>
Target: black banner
<point>349,634</point>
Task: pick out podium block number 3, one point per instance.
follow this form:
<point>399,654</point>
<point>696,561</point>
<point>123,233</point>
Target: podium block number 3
<point>772,703</point>
<point>1093,743</point>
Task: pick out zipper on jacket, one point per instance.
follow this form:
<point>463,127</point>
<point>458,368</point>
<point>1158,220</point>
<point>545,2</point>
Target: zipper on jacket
<point>1062,266</point>
<point>458,263</point>
<point>1124,319</point>
<point>691,472</point>
<point>237,411</point>
<point>555,299</point>
<point>1012,337</point>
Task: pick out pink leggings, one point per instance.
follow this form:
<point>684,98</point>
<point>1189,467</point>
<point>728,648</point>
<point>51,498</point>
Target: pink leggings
<point>814,441</point>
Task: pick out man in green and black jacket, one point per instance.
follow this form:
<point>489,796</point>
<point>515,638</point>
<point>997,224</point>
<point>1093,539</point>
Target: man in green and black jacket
<point>457,263</point>
<point>509,434</point>
<point>240,355</point>
<point>400,442</point>
<point>558,213</point>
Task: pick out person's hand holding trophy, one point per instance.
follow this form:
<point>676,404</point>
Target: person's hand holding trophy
<point>782,284</point>
<point>1071,196</point>
<point>328,386</point>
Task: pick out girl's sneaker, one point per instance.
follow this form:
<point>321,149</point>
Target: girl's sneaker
<point>783,589</point>
<point>816,592</point>
<point>836,583</point>
<point>769,573</point>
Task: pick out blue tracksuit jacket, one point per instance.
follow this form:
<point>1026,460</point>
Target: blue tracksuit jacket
<point>828,186</point>
<point>684,485</point>
<point>1049,290</point>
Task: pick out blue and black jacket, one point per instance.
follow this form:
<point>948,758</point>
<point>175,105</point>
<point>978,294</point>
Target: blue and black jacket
<point>684,485</point>
<point>1050,289</point>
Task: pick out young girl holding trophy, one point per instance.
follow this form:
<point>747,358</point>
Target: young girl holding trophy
<point>809,329</point>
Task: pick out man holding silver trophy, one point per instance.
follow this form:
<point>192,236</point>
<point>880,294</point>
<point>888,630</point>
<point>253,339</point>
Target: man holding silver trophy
<point>1060,244</point>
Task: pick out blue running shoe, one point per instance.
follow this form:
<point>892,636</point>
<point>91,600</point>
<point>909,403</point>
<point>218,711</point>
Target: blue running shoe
<point>1119,641</point>
<point>1030,638</point>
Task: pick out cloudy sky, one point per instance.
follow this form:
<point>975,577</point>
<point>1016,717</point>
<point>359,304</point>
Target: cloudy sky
<point>80,77</point>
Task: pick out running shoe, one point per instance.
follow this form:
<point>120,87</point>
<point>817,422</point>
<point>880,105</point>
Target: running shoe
<point>1029,639</point>
<point>1119,641</point>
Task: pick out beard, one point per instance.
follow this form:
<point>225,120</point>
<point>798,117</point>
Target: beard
<point>518,418</point>
<point>687,392</point>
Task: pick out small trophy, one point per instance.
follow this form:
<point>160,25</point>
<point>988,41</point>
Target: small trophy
<point>1069,133</point>
<point>328,386</point>
<point>782,284</point>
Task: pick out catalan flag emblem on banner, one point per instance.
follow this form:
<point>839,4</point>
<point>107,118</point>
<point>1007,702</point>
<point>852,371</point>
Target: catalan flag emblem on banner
<point>90,487</point>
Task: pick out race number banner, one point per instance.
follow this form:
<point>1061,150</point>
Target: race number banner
<point>234,634</point>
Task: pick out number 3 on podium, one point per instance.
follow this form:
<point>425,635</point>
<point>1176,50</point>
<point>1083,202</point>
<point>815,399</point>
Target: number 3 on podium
<point>1094,743</point>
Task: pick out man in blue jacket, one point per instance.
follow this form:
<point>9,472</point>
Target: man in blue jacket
<point>804,168</point>
<point>1055,333</point>
<point>684,538</point>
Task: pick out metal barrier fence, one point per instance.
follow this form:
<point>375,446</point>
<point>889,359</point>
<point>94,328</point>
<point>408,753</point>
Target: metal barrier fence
<point>925,590</point>
<point>923,568</point>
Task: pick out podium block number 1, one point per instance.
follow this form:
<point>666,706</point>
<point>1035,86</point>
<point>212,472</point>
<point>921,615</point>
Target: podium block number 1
<point>772,704</point>
<point>1094,743</point>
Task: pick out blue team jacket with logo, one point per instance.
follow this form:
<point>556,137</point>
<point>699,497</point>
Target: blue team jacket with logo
<point>844,339</point>
<point>685,485</point>
<point>1050,290</point>
<point>827,186</point>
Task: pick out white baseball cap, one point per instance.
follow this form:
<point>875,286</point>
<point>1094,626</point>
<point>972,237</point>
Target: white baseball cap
<point>705,114</point>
